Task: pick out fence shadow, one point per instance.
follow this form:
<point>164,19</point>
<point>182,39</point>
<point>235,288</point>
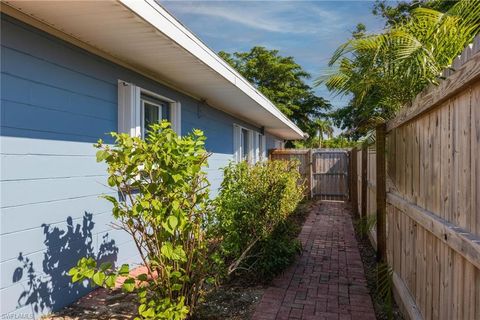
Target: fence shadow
<point>51,289</point>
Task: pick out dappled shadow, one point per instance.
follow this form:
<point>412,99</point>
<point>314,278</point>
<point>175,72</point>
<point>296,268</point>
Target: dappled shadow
<point>52,289</point>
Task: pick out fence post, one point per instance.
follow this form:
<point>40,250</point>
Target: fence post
<point>310,172</point>
<point>270,153</point>
<point>364,190</point>
<point>381,193</point>
<point>349,175</point>
<point>353,181</point>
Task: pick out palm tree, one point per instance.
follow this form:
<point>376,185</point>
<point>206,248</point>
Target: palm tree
<point>324,127</point>
<point>384,72</point>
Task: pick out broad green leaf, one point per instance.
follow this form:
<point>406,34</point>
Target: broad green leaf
<point>110,198</point>
<point>175,205</point>
<point>176,287</point>
<point>142,277</point>
<point>101,155</point>
<point>167,250</point>
<point>124,270</point>
<point>76,277</point>
<point>179,254</point>
<point>98,278</point>
<point>110,281</point>
<point>149,313</point>
<point>172,222</point>
<point>105,266</point>
<point>73,271</point>
<point>89,273</point>
<point>129,285</point>
<point>111,181</point>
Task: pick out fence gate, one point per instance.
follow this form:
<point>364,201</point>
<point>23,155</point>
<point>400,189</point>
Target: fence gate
<point>330,174</point>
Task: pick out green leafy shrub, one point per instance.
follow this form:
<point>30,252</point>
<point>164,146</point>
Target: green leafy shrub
<point>253,202</point>
<point>164,206</point>
<point>276,252</point>
<point>365,224</point>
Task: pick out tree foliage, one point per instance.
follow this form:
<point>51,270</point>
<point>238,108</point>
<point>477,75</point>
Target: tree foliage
<point>383,72</point>
<point>340,141</point>
<point>283,81</point>
<point>401,11</point>
<point>324,128</point>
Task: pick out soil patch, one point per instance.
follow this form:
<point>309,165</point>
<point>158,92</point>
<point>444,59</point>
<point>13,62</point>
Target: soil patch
<point>100,304</point>
<point>230,303</point>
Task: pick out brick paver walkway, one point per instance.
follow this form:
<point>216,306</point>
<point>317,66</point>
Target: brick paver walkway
<point>327,281</point>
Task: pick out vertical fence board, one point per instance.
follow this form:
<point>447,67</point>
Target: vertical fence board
<point>475,140</point>
<point>381,196</point>
<point>359,181</point>
<point>353,181</point>
<point>364,189</point>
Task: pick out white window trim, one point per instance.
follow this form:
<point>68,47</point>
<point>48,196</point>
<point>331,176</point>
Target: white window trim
<point>130,119</point>
<point>254,154</point>
<point>264,151</point>
<point>256,147</point>
<point>142,114</point>
<point>260,155</point>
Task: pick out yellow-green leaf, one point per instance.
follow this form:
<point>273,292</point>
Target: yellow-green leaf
<point>98,278</point>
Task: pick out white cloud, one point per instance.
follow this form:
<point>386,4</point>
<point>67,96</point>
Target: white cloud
<point>280,17</point>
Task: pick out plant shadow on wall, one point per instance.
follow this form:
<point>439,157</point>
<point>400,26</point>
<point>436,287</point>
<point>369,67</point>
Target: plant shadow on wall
<point>52,289</point>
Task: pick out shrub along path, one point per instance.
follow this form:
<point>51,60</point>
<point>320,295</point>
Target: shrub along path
<point>328,280</point>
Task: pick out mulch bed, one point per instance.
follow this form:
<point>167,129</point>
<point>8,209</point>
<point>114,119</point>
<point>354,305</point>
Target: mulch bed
<point>229,303</point>
<point>101,304</point>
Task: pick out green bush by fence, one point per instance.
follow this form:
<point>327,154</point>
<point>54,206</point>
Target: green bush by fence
<point>253,204</point>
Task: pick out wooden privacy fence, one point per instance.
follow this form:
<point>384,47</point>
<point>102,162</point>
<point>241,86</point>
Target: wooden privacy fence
<point>428,214</point>
<point>325,171</point>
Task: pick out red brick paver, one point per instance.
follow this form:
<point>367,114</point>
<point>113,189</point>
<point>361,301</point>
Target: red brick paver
<point>327,281</point>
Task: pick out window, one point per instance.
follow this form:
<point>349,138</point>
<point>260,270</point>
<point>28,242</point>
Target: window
<point>245,145</point>
<point>261,151</point>
<point>139,108</point>
<point>278,144</point>
<point>248,145</point>
<point>153,111</point>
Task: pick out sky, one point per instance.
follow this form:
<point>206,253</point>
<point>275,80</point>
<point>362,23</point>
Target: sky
<point>310,31</point>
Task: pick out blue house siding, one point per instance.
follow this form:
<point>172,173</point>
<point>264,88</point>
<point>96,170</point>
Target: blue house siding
<point>56,101</point>
<point>271,141</point>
